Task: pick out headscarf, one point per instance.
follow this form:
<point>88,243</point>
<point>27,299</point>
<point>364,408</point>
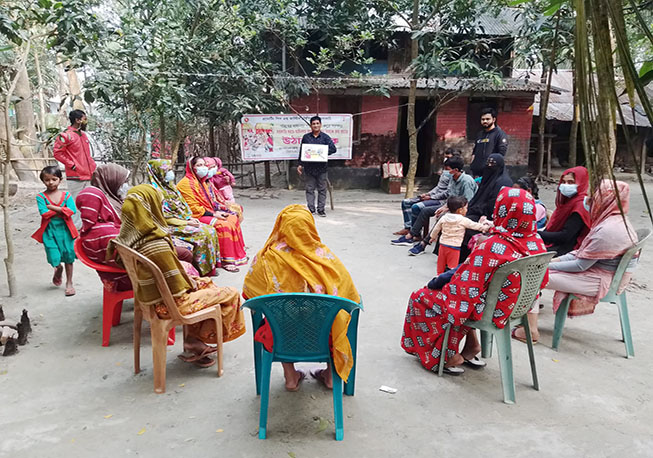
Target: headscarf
<point>109,178</point>
<point>223,177</point>
<point>174,205</point>
<point>513,236</point>
<point>294,259</point>
<point>144,229</point>
<point>199,187</point>
<point>566,206</point>
<point>494,178</point>
<point>611,234</point>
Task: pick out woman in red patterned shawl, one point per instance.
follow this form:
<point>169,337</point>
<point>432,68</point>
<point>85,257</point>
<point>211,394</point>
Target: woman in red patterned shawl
<point>430,312</point>
<point>100,225</point>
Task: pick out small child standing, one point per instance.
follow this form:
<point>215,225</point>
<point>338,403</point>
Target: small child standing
<point>57,229</point>
<point>452,225</point>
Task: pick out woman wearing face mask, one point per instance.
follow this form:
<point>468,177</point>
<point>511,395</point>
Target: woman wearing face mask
<point>111,179</point>
<point>217,187</point>
<point>181,224</point>
<point>570,222</point>
<point>198,194</point>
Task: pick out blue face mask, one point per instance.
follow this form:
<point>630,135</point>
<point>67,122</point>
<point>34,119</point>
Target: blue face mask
<point>170,176</point>
<point>586,203</point>
<point>446,173</point>
<point>212,172</point>
<point>202,171</point>
<point>568,190</point>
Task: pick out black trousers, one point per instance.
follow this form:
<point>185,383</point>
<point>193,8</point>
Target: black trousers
<point>314,182</point>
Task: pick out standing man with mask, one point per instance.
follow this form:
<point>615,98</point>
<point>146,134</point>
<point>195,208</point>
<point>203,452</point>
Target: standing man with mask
<point>492,139</point>
<point>72,149</point>
<point>315,173</point>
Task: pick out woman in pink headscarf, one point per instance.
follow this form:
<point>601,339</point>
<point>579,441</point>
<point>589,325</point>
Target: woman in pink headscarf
<point>220,181</point>
<point>587,272</point>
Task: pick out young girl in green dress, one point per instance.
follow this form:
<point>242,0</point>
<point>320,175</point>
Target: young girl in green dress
<point>57,229</point>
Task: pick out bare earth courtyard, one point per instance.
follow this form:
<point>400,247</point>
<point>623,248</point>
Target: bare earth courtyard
<point>64,394</point>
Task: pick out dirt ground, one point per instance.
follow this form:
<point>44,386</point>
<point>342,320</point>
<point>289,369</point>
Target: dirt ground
<point>66,395</point>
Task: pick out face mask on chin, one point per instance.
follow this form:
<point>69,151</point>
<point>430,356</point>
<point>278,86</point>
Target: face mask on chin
<point>568,190</point>
<point>202,171</point>
<point>170,176</point>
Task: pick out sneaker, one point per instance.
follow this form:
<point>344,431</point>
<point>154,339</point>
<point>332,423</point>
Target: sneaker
<point>322,214</point>
<point>312,210</point>
<point>402,241</point>
<point>417,250</point>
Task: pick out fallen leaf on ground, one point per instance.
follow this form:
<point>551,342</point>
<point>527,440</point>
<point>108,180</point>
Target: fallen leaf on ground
<point>219,430</point>
<point>182,385</point>
<point>118,364</point>
<point>323,425</point>
<point>555,360</point>
<point>292,455</point>
<point>141,432</point>
<point>108,416</point>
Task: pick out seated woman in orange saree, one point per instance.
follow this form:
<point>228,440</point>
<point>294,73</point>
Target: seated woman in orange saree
<point>197,193</point>
<point>294,260</point>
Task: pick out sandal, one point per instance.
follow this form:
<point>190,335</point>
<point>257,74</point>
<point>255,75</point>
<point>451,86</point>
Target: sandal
<point>475,363</point>
<point>453,370</point>
<point>197,356</point>
<point>319,376</point>
<point>231,268</point>
<point>204,362</point>
<point>521,339</point>
<point>57,277</point>
<point>302,376</point>
<point>70,291</point>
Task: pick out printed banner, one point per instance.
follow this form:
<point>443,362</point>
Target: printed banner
<point>277,137</point>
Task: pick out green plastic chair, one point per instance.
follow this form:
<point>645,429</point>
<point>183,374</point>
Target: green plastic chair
<point>301,327</point>
<point>611,297</point>
<point>531,270</point>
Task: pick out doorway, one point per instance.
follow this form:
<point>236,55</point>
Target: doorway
<point>425,137</point>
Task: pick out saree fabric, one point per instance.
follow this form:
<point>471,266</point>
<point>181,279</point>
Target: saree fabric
<point>197,193</point>
<point>109,178</point>
<point>100,225</point>
<point>203,238</point>
<point>431,312</point>
<point>143,229</point>
<point>294,260</point>
<point>57,230</point>
<point>609,237</point>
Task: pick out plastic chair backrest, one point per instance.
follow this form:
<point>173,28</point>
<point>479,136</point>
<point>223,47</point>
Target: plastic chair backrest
<point>531,271</point>
<point>300,322</point>
<point>81,254</point>
<point>642,235</point>
<point>131,259</point>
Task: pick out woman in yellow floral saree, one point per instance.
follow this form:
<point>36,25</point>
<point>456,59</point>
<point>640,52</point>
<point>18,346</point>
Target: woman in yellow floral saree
<point>294,260</point>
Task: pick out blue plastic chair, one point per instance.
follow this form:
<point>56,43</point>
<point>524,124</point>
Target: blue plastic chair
<point>531,271</point>
<point>611,297</point>
<point>301,326</point>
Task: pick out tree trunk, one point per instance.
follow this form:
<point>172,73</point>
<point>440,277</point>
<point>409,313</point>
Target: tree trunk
<point>541,128</point>
<point>162,134</point>
<point>74,90</point>
<point>212,137</point>
<point>606,144</point>
<point>573,134</point>
<point>179,137</point>
<point>412,95</point>
<point>25,122</point>
<point>42,111</point>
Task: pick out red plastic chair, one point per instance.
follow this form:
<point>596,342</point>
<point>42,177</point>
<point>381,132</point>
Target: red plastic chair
<point>111,300</point>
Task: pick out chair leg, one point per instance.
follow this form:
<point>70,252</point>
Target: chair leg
<point>258,350</point>
<point>108,305</point>
<point>504,350</point>
<point>561,317</point>
<point>352,334</point>
<point>117,311</point>
<point>443,353</point>
<point>486,344</point>
<point>266,369</point>
<point>159,351</point>
<point>625,325</point>
<point>138,320</point>
<point>337,403</point>
<point>219,338</point>
<point>531,353</point>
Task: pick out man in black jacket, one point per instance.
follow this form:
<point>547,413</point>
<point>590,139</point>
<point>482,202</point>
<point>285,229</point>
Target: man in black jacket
<point>489,141</point>
<point>315,173</point>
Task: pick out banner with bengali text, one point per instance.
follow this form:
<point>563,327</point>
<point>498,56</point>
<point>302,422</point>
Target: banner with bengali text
<point>277,137</point>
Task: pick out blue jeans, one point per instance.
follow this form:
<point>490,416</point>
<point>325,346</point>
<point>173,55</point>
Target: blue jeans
<point>412,207</point>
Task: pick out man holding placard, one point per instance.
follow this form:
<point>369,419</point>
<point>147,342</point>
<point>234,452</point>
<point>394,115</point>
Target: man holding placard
<point>314,151</point>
